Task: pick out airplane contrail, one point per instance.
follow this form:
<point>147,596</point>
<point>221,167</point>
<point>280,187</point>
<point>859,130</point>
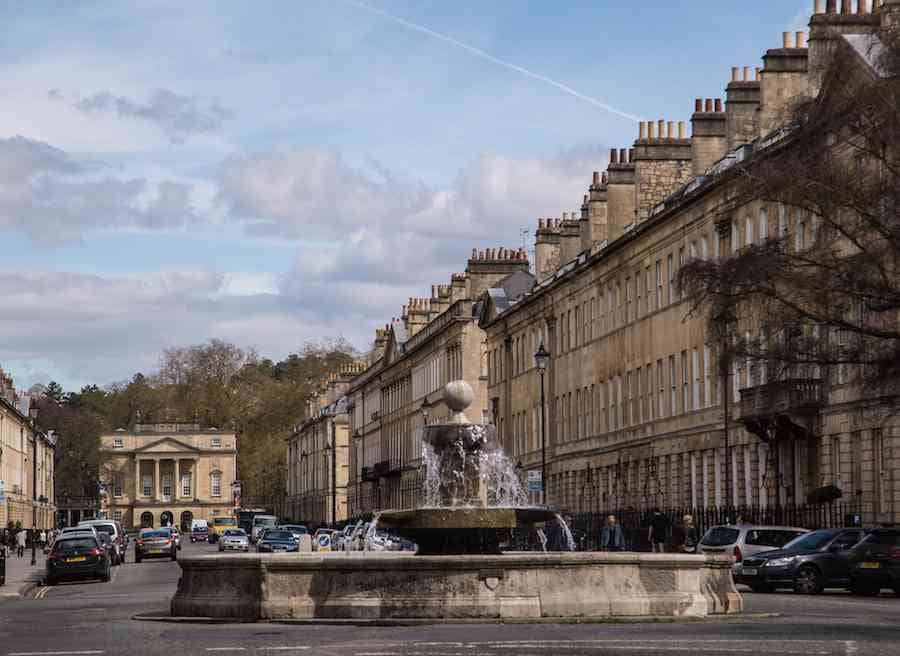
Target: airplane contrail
<point>495,60</point>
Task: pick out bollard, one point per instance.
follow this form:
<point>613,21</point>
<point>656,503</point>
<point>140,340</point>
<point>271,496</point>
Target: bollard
<point>2,564</point>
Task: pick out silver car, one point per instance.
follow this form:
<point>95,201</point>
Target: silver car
<point>234,539</point>
<point>740,540</point>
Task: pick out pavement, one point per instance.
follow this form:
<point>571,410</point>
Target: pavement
<point>21,577</point>
<point>96,619</point>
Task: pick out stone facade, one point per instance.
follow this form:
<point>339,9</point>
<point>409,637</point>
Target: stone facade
<point>166,474</point>
<point>26,464</point>
<point>317,454</point>
<point>636,408</point>
<point>436,340</point>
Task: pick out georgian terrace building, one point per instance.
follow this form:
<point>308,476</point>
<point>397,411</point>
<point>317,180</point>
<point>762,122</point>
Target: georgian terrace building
<point>436,340</point>
<point>27,492</point>
<point>167,474</point>
<point>636,412</point>
<point>317,453</point>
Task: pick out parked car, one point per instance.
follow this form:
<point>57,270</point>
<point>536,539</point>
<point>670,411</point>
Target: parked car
<point>234,539</point>
<point>260,524</point>
<point>176,535</point>
<point>296,529</point>
<point>200,533</point>
<point>812,562</point>
<point>743,540</point>
<point>875,562</point>
<point>116,534</point>
<point>155,543</point>
<point>77,555</point>
<point>273,540</point>
<point>219,526</point>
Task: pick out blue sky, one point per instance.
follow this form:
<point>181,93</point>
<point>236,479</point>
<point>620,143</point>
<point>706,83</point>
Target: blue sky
<point>276,172</point>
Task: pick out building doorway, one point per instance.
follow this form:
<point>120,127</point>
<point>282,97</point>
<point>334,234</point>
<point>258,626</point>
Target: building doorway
<point>166,518</point>
<point>186,518</point>
<point>147,520</point>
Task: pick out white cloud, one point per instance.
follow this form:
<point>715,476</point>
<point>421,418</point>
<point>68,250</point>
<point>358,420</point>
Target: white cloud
<point>54,198</point>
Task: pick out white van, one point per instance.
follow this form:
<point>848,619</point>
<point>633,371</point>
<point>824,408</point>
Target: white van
<point>260,524</point>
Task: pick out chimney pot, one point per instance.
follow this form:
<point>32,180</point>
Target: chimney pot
<point>604,178</point>
<point>817,8</point>
<point>661,127</point>
<point>613,156</point>
<point>718,105</point>
<point>746,73</point>
<point>862,7</point>
<point>630,155</point>
<point>801,38</point>
<point>596,178</point>
<point>643,131</point>
<point>698,105</point>
<point>681,130</point>
<point>846,6</point>
<point>735,74</point>
<point>651,130</point>
<point>758,73</point>
<point>830,6</point>
<point>707,105</point>
<point>623,156</point>
<point>785,39</point>
<point>670,130</point>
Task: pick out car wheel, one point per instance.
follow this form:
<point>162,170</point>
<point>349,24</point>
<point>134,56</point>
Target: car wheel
<point>50,580</point>
<point>137,559</point>
<point>808,581</point>
<point>762,587</point>
<point>865,589</point>
<point>106,576</point>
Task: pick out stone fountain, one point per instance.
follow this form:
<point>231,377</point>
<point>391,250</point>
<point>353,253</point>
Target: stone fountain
<point>472,494</point>
<point>473,498</point>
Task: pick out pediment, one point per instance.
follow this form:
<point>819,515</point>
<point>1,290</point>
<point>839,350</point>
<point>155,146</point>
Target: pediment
<point>167,445</point>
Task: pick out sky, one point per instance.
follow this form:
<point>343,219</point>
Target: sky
<point>272,173</point>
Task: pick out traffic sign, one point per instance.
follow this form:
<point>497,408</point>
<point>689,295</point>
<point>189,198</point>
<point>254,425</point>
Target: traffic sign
<point>324,542</point>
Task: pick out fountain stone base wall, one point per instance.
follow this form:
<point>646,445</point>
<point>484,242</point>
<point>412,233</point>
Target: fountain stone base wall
<point>386,586</point>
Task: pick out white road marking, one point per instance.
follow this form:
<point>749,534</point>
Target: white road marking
<point>55,653</point>
<point>226,649</point>
<point>850,648</point>
<point>282,648</point>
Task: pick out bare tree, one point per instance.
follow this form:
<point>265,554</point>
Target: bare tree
<point>821,293</point>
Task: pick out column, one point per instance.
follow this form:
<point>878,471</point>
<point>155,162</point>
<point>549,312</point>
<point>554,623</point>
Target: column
<point>157,487</point>
<point>137,479</point>
<point>195,480</point>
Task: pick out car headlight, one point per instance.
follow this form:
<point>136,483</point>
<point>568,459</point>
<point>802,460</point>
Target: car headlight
<point>781,562</point>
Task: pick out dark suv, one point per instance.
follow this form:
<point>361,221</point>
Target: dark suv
<point>875,562</point>
<point>808,564</point>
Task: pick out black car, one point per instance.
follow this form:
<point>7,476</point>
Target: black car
<point>875,562</point>
<point>276,540</point>
<point>807,564</point>
<point>77,555</point>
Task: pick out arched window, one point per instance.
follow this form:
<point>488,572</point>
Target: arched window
<point>215,484</point>
<point>782,221</point>
<point>748,237</point>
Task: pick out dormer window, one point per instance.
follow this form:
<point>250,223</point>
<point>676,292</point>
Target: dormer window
<point>217,442</point>
<point>118,443</point>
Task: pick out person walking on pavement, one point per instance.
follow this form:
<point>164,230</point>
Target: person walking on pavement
<point>611,536</point>
<point>20,543</point>
<point>684,536</point>
<point>659,526</point>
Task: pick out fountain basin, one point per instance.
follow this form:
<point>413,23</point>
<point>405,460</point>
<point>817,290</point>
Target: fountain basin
<point>445,531</point>
<point>399,586</point>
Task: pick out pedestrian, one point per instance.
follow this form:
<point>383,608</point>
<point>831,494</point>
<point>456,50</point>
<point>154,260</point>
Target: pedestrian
<point>684,536</point>
<point>42,538</point>
<point>659,526</point>
<point>611,536</point>
<point>20,542</point>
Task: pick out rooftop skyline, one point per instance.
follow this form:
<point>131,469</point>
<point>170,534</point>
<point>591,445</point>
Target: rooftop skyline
<point>170,173</point>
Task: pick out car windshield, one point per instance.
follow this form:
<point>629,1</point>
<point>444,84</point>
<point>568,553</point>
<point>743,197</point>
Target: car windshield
<point>889,538</point>
<point>74,545</point>
<point>162,533</point>
<point>103,528</point>
<point>264,521</point>
<point>235,533</point>
<point>295,529</point>
<point>223,521</point>
<point>278,535</point>
<point>200,529</point>
<point>719,536</point>
<point>810,541</point>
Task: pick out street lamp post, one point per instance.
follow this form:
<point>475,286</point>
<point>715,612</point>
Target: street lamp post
<point>333,471</point>
<point>542,360</point>
<point>33,413</point>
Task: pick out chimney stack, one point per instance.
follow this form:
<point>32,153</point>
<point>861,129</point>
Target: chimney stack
<point>709,140</point>
<point>741,105</point>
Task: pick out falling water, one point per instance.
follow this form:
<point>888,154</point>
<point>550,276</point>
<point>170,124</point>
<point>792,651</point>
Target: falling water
<point>570,540</point>
<point>543,538</point>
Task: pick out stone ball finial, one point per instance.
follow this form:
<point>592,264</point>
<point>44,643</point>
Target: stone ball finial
<point>458,395</point>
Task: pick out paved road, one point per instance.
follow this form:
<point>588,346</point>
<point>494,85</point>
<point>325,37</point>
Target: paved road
<point>94,619</point>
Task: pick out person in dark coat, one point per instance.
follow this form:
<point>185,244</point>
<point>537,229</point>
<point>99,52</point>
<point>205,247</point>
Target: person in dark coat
<point>659,527</point>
